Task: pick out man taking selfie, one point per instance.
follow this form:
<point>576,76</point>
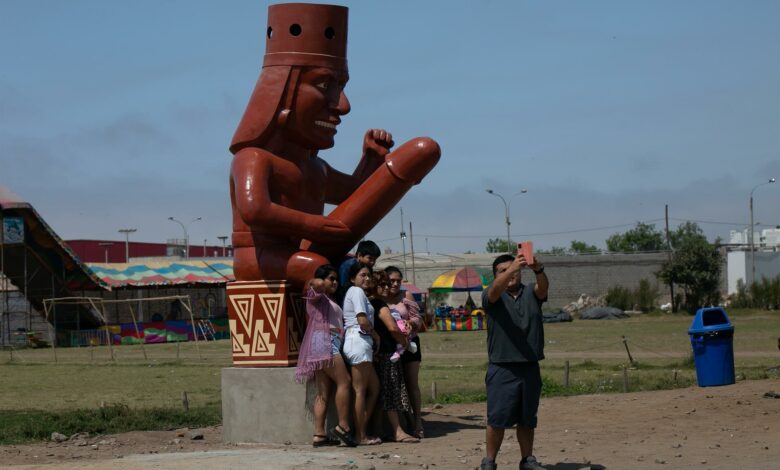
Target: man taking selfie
<point>515,347</point>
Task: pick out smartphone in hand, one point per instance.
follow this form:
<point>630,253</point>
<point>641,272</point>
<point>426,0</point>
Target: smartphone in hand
<point>526,249</point>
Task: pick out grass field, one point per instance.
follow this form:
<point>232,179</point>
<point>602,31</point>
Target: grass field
<point>87,379</point>
<point>659,345</point>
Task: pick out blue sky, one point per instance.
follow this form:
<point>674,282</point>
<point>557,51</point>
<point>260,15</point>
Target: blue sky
<point>119,114</point>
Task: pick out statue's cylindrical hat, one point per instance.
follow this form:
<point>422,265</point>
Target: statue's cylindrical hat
<point>306,34</point>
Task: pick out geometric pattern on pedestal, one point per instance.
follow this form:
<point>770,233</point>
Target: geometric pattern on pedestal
<point>272,305</point>
<point>265,322</point>
<point>261,344</point>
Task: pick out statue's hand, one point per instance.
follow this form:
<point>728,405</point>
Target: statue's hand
<point>377,143</point>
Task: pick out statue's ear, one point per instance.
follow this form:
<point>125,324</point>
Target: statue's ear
<point>281,118</point>
<point>261,114</point>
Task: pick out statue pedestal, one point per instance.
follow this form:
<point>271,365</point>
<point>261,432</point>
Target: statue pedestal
<point>266,323</point>
<point>261,402</point>
<point>266,405</point>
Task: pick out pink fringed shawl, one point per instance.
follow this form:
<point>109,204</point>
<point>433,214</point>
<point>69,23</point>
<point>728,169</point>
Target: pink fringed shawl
<point>410,311</point>
<point>315,353</point>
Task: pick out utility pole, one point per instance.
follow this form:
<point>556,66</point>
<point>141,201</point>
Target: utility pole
<point>411,244</point>
<point>752,235</point>
<point>403,239</point>
<point>127,232</point>
<point>669,251</point>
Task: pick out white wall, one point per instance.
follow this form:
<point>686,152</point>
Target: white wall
<point>737,269</point>
<point>738,265</point>
<point>767,264</point>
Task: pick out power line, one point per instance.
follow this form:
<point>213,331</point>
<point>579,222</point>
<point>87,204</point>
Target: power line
<point>566,232</point>
<point>562,232</point>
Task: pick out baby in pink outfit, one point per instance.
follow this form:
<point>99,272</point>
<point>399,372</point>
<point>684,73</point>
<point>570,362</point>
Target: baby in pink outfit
<point>403,325</point>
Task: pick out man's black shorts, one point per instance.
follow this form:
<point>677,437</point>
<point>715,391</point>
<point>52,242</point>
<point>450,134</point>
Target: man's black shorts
<point>513,391</point>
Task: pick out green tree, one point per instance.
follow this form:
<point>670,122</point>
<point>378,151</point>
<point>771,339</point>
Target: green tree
<point>578,248</point>
<point>498,245</point>
<point>643,237</point>
<point>555,251</point>
<point>695,265</point>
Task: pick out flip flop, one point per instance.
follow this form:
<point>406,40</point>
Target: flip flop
<point>344,436</point>
<point>408,440</point>
<point>326,441</point>
<point>371,441</point>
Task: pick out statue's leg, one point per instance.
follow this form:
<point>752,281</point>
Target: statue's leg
<point>275,264</point>
<point>403,168</point>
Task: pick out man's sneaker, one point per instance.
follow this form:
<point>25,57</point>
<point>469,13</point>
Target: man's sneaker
<point>530,463</point>
<point>488,464</point>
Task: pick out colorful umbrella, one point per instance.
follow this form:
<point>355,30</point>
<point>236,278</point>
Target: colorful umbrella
<point>459,280</point>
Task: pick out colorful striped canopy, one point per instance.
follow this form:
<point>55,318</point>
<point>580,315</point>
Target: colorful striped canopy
<point>459,280</point>
<point>166,273</point>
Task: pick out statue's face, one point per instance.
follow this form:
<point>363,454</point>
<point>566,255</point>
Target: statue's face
<point>319,103</point>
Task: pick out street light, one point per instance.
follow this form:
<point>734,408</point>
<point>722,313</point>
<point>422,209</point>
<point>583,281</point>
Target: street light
<point>186,236</point>
<point>223,238</point>
<point>127,232</point>
<point>752,247</point>
<point>507,206</point>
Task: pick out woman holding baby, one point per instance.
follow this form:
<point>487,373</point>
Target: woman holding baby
<point>393,342</point>
<point>403,305</point>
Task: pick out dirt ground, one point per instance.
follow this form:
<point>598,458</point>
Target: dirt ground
<point>709,428</point>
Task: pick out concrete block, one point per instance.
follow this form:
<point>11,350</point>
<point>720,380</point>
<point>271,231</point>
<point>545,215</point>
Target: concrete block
<point>266,405</point>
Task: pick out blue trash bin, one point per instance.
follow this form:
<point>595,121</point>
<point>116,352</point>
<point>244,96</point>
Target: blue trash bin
<point>712,339</point>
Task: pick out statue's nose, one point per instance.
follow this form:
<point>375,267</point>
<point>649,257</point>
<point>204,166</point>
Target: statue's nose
<point>343,106</point>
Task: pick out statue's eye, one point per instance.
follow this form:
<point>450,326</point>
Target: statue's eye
<point>322,85</point>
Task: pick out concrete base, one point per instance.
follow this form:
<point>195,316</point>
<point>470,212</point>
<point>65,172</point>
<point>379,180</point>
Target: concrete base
<point>267,405</point>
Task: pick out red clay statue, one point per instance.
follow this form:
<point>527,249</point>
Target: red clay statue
<point>278,184</point>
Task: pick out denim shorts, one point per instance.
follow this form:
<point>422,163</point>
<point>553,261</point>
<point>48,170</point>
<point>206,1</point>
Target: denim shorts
<point>336,342</point>
<point>358,348</point>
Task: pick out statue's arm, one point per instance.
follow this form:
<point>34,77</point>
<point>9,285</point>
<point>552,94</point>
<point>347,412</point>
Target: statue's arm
<point>251,172</point>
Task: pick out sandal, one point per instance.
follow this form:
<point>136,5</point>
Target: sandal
<point>344,436</point>
<point>408,440</point>
<point>324,441</point>
<point>419,431</point>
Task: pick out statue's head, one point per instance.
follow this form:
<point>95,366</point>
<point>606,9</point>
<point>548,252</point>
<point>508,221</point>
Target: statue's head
<point>300,89</point>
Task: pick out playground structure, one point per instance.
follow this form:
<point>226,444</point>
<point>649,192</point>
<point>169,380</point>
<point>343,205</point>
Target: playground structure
<point>97,306</point>
<point>37,265</point>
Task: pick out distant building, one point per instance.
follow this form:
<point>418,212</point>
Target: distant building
<point>766,239</point>
<point>113,251</point>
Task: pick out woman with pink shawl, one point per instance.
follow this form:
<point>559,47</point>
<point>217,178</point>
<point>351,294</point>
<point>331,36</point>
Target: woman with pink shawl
<point>320,356</point>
